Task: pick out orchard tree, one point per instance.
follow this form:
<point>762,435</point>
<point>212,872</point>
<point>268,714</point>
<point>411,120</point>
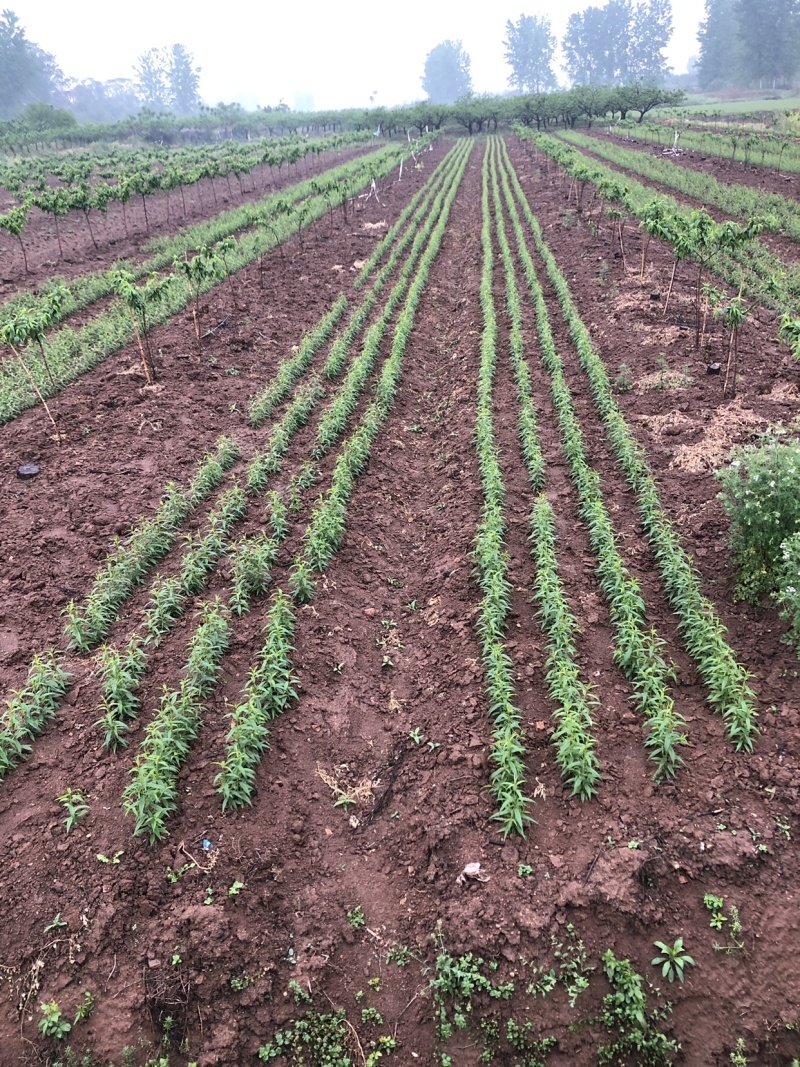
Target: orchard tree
<point>529,48</point>
<point>447,75</point>
<point>27,73</point>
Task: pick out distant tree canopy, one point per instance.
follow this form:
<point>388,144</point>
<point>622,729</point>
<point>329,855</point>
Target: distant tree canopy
<point>529,48</point>
<point>749,43</point>
<point>769,31</point>
<point>619,43</point>
<point>27,73</point>
<point>167,80</point>
<point>95,101</point>
<point>447,75</point>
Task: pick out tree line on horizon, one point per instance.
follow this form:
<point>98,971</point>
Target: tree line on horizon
<point>742,42</point>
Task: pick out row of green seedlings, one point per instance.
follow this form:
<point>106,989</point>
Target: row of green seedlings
<point>149,541</point>
<point>266,400</point>
<point>732,198</point>
<point>270,686</point>
<point>703,633</point>
<point>507,780</point>
<point>325,532</point>
<point>70,353</point>
<point>637,648</point>
<point>252,558</point>
<point>152,794</point>
<point>335,417</point>
<point>30,709</point>
<point>572,697</point>
<point>86,289</point>
<point>748,266</point>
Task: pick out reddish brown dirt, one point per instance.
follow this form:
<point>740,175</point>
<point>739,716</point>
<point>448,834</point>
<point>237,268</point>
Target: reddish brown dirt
<point>626,869</point>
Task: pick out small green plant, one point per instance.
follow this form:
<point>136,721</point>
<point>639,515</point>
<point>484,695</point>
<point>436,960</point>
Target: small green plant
<point>299,995</point>
<point>672,960</point>
<point>75,805</point>
<point>371,1017</point>
<point>113,860</point>
<point>53,1024</point>
<point>85,1008</point>
<point>356,917</point>
<point>524,870</point>
<point>715,905</point>
<point>177,959</point>
<point>235,889</point>
<point>760,493</point>
<point>623,383</point>
<point>627,1016</point>
<point>57,924</point>
<point>416,735</point>
<point>400,955</point>
<point>739,1055</point>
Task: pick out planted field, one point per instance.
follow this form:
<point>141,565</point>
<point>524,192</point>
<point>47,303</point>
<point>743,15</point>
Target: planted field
<point>377,689</point>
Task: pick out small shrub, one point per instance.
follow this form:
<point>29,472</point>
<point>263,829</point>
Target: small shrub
<point>760,493</point>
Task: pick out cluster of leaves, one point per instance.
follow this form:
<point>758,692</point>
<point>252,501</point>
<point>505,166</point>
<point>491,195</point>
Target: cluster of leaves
<point>30,709</point>
<point>637,649</point>
<point>507,782</point>
<point>456,981</point>
<point>627,1015</point>
<point>148,542</point>
<point>152,794</point>
<point>324,1039</point>
<point>701,628</point>
<point>269,691</point>
<point>268,463</point>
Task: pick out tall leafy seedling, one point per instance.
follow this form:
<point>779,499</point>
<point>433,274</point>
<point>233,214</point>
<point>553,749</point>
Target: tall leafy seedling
<point>226,248</point>
<point>14,222</point>
<point>198,270</point>
<point>139,299</point>
<point>19,330</point>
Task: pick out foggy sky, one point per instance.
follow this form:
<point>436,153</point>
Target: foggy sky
<point>313,54</point>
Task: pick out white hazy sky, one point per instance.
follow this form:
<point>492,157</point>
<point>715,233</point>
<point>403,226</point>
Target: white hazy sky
<point>314,53</point>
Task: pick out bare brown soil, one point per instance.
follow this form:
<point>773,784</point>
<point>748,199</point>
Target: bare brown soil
<point>408,737</point>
